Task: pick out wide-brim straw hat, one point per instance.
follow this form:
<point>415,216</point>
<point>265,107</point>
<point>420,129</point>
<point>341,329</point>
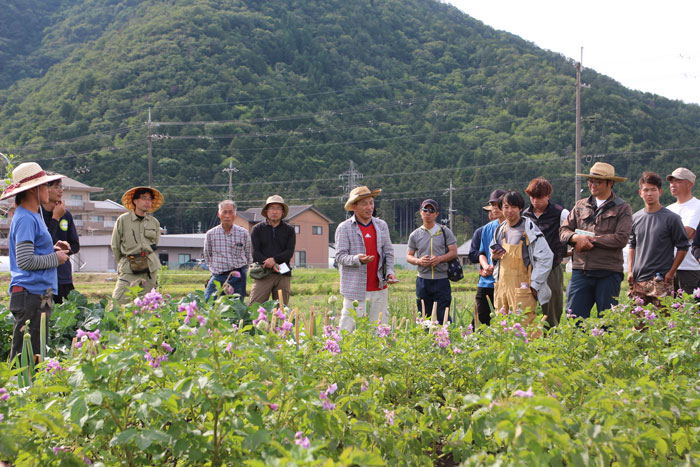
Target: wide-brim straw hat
<point>359,193</point>
<point>128,198</point>
<point>275,199</point>
<point>25,176</point>
<point>603,171</point>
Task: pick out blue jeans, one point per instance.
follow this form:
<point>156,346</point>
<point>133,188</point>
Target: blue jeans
<point>238,283</point>
<point>431,291</point>
<point>589,287</point>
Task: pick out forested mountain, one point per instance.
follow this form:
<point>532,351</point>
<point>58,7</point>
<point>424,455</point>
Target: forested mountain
<point>414,92</point>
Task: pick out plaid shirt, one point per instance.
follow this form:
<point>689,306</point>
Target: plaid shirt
<point>225,252</point>
<point>348,245</point>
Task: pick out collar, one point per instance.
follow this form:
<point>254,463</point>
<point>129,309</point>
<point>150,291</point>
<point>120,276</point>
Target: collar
<point>134,217</point>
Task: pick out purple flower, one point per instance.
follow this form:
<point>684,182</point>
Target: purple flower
<point>442,337</point>
<point>262,316</point>
<point>228,347</point>
<point>332,346</point>
<point>639,301</point>
<point>650,316</point>
<point>525,394</point>
<point>2,417</point>
<point>57,449</point>
<point>301,440</point>
<point>4,395</point>
<point>280,315</point>
<point>150,302</point>
<point>638,309</point>
<point>53,366</point>
<point>595,332</point>
<point>166,346</point>
<point>332,388</point>
<point>274,407</point>
<point>696,293</point>
<point>190,309</point>
<point>328,405</point>
<point>457,350</point>
<point>390,415</point>
<point>383,330</point>
<point>671,324</point>
<point>236,274</point>
<point>84,336</point>
<point>201,320</point>
<point>468,332</point>
<point>364,385</point>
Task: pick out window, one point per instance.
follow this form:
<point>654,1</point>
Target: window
<point>98,218</point>
<point>297,229</point>
<point>76,196</point>
<point>114,218</point>
<point>183,258</point>
<point>300,259</point>
<point>317,230</point>
<point>78,217</point>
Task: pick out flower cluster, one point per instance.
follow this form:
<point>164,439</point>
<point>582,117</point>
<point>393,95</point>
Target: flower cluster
<point>525,394</point>
<point>53,366</point>
<point>323,395</point>
<point>152,301</point>
<point>262,317</point>
<point>650,316</point>
<point>84,336</point>
<point>467,332</point>
<point>154,358</point>
<point>696,293</point>
<point>442,337</point>
<point>517,329</point>
<point>390,416</point>
<point>595,332</point>
<point>331,332</point>
<point>4,395</point>
<point>301,440</point>
<point>286,325</point>
<point>189,308</point>
<point>383,330</point>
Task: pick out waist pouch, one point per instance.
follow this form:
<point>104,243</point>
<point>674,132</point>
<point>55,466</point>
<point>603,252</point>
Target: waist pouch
<point>138,263</point>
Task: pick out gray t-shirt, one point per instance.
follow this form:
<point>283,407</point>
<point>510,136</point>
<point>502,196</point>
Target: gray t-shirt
<point>435,244</point>
<point>653,237</point>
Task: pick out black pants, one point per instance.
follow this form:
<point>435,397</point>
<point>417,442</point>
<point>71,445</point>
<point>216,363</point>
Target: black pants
<point>63,291</point>
<point>484,303</point>
<point>25,307</point>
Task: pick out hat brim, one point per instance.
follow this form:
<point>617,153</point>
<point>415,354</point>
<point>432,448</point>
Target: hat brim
<point>9,193</point>
<point>356,198</point>
<point>671,178</point>
<point>128,198</point>
<point>488,207</point>
<point>285,209</point>
<point>604,177</point>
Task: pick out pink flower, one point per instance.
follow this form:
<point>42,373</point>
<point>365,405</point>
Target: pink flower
<point>236,274</point>
<point>389,415</point>
<point>273,407</point>
<point>202,320</point>
<point>228,347</point>
<point>262,316</point>
<point>457,350</point>
<point>2,417</point>
<point>383,330</point>
<point>595,332</point>
<point>328,405</point>
<point>332,346</point>
<point>301,440</point>
<point>189,308</point>
<point>671,324</point>
<point>364,386</point>
<point>442,337</point>
<point>4,395</point>
<point>525,394</point>
<point>166,346</point>
<point>696,293</point>
<point>280,315</point>
<point>84,336</point>
<point>150,302</point>
<point>332,388</point>
<point>53,366</point>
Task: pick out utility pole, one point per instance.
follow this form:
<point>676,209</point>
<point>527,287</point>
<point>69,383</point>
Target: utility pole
<point>353,176</point>
<point>230,169</point>
<point>149,124</point>
<point>450,210</point>
<point>578,129</point>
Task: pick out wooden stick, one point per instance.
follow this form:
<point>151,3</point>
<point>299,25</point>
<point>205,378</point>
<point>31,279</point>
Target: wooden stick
<point>446,316</point>
<point>296,326</point>
<point>273,321</point>
<point>325,319</point>
<point>281,298</point>
<point>380,318</point>
<point>433,317</point>
<point>401,322</point>
<point>393,323</point>
<point>422,304</point>
<point>313,322</point>
<point>240,325</point>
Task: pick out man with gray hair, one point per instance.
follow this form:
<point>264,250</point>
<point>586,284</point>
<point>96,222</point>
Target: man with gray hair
<point>227,251</point>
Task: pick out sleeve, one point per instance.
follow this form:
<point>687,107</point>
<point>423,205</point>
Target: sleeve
<point>73,237</point>
<point>256,242</point>
<point>157,230</point>
<point>486,238</point>
<point>116,239</point>
<point>27,260</point>
<point>450,237</point>
<point>563,217</point>
<point>388,249</point>
<point>695,247</point>
<point>474,247</point>
<point>412,243</point>
<point>542,262</point>
<point>632,242</point>
<point>206,254</point>
<point>623,229</point>
<point>286,255</point>
<point>53,229</point>
<point>248,248</point>
<point>680,238</point>
<point>342,248</point>
<point>568,227</point>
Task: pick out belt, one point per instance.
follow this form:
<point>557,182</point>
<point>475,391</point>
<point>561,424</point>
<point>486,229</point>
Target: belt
<point>17,288</point>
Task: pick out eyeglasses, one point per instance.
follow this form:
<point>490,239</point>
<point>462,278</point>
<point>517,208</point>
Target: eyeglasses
<point>594,182</point>
<point>146,198</point>
<point>430,210</point>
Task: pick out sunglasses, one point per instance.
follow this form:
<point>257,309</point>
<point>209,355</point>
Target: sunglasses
<point>430,210</point>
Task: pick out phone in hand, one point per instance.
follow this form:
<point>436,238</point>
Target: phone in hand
<point>496,248</point>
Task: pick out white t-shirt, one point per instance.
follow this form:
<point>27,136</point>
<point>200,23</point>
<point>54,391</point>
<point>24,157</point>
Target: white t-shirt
<point>690,215</point>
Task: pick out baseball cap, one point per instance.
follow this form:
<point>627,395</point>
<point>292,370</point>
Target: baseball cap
<point>430,202</point>
<point>496,195</point>
<point>681,173</point>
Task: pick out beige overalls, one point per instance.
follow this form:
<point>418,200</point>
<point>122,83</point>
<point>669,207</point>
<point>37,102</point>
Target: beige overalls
<point>513,286</point>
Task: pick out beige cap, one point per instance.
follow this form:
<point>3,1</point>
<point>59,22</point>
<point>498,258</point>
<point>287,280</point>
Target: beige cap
<point>681,173</point>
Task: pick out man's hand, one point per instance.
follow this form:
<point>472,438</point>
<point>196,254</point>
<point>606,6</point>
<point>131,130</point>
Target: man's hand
<point>62,245</point>
<point>62,256</point>
<point>269,263</point>
<point>391,279</point>
<point>59,210</point>
<point>534,292</point>
<point>424,261</point>
<point>364,259</point>
<point>433,261</point>
<point>630,278</point>
<point>488,270</point>
<point>497,254</point>
<point>582,243</point>
<point>669,277</point>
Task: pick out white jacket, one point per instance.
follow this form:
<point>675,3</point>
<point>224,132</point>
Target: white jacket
<point>541,258</point>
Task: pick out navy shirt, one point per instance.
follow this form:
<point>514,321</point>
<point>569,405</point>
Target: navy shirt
<point>63,229</point>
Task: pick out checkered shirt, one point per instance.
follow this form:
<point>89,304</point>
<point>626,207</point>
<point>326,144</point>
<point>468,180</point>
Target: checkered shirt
<point>227,251</point>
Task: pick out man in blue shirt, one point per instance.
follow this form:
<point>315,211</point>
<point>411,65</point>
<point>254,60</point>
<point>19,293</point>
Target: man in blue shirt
<point>485,288</point>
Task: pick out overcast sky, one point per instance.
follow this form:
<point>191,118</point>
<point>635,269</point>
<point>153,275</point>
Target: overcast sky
<point>647,46</point>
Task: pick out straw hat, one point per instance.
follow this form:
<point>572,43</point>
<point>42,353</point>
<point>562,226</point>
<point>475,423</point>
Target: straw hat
<point>25,176</point>
<point>359,193</point>
<point>603,171</point>
<point>275,199</point>
<point>128,198</point>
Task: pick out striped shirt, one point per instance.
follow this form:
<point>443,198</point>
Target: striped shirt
<point>225,252</point>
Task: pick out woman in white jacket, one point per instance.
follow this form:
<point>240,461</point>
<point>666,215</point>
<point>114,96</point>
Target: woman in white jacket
<point>522,260</point>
